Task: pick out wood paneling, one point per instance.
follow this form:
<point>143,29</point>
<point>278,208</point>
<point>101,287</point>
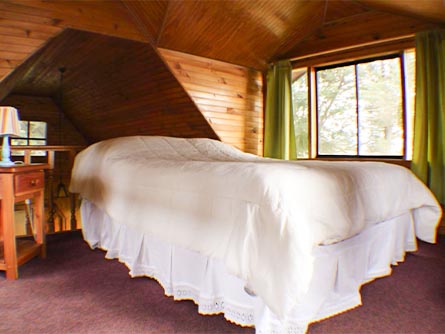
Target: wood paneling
<point>44,109</point>
<point>343,8</point>
<point>229,96</point>
<point>111,92</point>
<point>363,29</point>
<point>25,26</point>
<point>9,82</point>
<point>148,16</point>
<point>101,16</point>
<point>355,53</point>
<point>113,87</point>
<point>242,32</point>
<point>425,9</point>
<point>20,37</point>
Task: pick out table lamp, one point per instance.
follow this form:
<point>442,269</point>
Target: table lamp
<point>9,126</point>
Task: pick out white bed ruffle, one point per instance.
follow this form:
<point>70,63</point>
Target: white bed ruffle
<point>340,270</point>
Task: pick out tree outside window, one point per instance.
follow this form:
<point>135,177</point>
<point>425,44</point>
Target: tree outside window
<point>359,108</point>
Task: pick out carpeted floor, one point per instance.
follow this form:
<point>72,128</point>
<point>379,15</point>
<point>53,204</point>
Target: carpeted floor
<point>76,290</point>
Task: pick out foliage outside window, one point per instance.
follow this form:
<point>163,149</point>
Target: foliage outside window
<point>31,133</point>
<point>362,108</point>
<point>301,112</point>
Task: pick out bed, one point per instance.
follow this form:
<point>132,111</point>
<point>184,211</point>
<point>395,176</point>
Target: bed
<point>272,244</point>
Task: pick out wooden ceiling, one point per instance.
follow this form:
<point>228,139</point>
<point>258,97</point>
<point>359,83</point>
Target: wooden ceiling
<point>111,86</point>
<point>117,81</point>
<point>243,32</point>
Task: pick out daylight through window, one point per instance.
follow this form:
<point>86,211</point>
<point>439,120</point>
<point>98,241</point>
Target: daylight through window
<point>31,133</point>
<point>362,109</point>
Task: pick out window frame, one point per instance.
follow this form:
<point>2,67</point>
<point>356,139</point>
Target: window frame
<point>313,127</point>
<point>28,140</point>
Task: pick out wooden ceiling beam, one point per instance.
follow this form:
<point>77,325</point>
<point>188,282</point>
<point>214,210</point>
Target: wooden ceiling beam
<point>148,17</point>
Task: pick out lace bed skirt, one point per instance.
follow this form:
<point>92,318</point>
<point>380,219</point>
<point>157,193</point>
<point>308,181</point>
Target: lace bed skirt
<point>339,271</point>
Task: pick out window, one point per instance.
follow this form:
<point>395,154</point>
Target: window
<point>361,109</point>
<point>301,111</point>
<point>31,133</point>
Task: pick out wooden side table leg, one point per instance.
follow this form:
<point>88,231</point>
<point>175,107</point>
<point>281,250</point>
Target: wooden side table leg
<point>39,222</point>
<point>7,216</point>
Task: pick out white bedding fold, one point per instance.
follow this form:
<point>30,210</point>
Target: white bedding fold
<point>262,217</point>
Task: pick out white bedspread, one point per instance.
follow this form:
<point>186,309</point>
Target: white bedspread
<point>262,217</point>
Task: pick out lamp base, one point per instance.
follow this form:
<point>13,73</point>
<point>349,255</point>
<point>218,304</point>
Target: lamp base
<point>6,153</point>
<point>6,163</point>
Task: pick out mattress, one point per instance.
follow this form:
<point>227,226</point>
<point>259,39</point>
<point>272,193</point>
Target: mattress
<point>261,217</point>
<point>339,271</point>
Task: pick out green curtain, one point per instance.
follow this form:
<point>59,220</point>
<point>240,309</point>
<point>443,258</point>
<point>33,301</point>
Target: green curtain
<point>279,133</point>
<point>429,124</point>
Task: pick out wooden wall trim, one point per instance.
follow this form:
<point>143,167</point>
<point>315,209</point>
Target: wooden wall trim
<point>378,49</point>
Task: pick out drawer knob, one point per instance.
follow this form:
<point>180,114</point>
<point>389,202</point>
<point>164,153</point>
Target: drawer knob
<point>33,182</point>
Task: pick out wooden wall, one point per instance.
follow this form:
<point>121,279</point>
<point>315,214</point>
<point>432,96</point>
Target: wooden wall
<point>44,109</point>
<point>229,96</point>
<point>114,87</point>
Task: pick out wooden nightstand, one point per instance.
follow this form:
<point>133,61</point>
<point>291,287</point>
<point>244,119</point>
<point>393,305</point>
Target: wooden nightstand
<point>19,183</point>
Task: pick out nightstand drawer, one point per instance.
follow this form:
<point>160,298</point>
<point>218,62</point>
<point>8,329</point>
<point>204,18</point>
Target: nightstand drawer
<point>28,182</point>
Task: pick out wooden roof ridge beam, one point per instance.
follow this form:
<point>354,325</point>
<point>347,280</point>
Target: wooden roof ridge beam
<point>148,20</point>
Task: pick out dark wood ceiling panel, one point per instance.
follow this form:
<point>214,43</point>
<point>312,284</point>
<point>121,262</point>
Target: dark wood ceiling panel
<point>422,9</point>
<point>60,131</point>
<point>305,20</point>
<point>367,28</point>
<point>242,32</point>
<point>339,9</point>
<point>113,87</point>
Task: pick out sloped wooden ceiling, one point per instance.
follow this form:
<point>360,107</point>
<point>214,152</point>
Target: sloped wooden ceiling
<point>254,33</point>
<point>101,85</point>
<point>112,87</point>
<point>243,32</point>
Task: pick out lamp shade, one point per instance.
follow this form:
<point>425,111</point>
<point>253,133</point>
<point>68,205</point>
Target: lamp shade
<point>9,122</point>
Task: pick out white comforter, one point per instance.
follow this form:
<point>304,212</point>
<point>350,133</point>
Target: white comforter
<point>262,217</point>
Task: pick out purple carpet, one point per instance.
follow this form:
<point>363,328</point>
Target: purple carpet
<point>76,290</point>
